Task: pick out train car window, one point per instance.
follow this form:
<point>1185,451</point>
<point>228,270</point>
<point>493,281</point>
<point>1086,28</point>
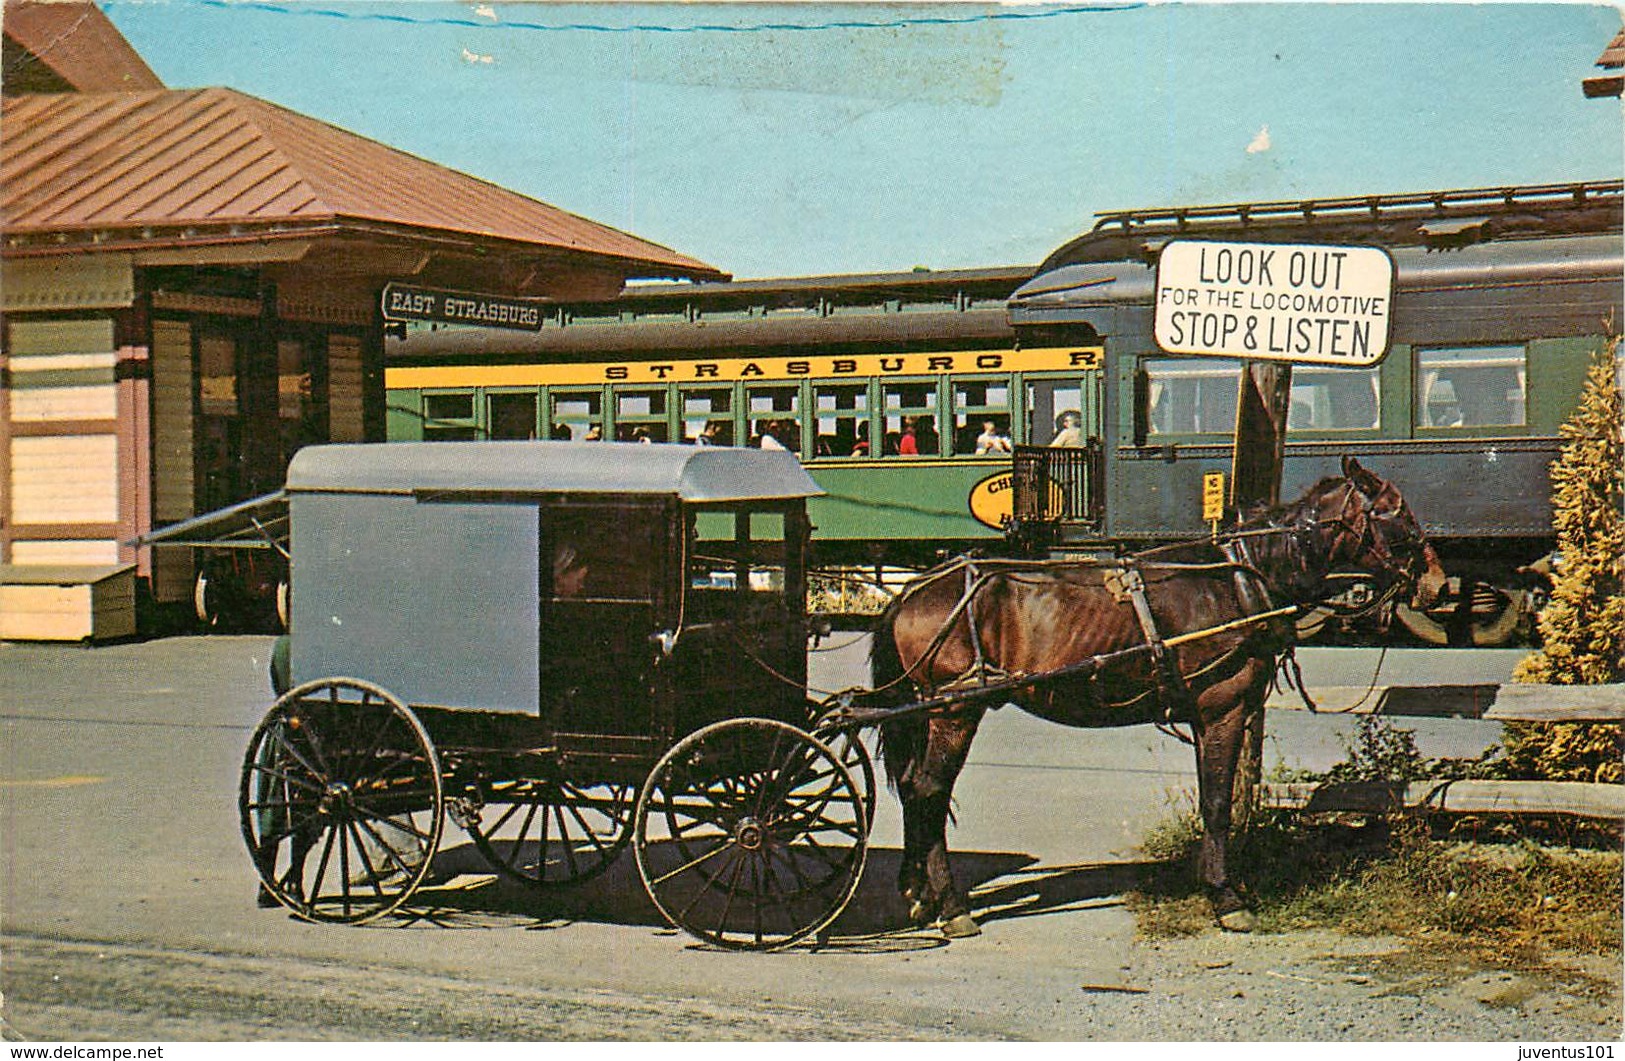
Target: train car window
<point>842,421</point>
<point>640,416</point>
<point>1334,399</point>
<point>449,417</point>
<point>981,417</point>
<point>577,415</point>
<point>512,415</point>
<point>1192,395</point>
<point>708,416</point>
<point>1049,402</point>
<point>775,417</point>
<point>910,420</point>
<point>1464,387</point>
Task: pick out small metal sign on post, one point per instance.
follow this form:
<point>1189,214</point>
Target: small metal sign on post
<point>1213,499</point>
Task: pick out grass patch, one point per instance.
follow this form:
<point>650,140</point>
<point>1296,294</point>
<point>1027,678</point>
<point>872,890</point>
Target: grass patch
<point>1374,876</point>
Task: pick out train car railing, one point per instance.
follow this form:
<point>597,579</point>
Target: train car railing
<point>1060,485</point>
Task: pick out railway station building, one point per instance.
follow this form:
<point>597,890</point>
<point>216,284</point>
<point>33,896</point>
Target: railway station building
<point>191,292</point>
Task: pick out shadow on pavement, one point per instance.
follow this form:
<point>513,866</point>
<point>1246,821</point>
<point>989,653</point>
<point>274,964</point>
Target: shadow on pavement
<point>463,895</point>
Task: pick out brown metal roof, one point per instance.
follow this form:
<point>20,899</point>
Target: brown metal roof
<point>1612,59</point>
<point>179,164</point>
<point>76,44</point>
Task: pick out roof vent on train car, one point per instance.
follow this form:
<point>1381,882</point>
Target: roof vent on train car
<point>1446,232</point>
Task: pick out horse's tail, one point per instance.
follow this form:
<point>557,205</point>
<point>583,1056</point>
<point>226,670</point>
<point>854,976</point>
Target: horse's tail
<point>903,741</point>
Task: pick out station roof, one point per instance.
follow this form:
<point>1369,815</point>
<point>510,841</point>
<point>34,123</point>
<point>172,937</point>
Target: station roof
<point>68,46</point>
<point>1612,80</point>
<point>450,470</point>
<point>199,166</point>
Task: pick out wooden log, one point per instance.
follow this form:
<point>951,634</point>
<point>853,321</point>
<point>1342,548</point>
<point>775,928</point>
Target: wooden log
<point>1558,703</point>
<point>1576,798</point>
<point>1513,702</point>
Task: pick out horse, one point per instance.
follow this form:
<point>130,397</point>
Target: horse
<point>1191,633</point>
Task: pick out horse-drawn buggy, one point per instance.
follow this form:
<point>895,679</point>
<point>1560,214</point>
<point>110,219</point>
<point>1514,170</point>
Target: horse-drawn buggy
<point>571,648</point>
<point>565,649</point>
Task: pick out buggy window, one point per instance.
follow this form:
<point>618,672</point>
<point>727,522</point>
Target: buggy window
<point>603,552</point>
<point>737,551</point>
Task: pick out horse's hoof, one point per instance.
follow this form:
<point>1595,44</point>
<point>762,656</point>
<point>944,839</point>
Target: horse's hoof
<point>919,912</point>
<point>1238,921</point>
<point>962,927</point>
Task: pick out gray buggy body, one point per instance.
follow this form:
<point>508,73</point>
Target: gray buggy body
<point>427,567</point>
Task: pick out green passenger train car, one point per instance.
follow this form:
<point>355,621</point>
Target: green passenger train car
<point>1501,299</point>
<point>904,395</point>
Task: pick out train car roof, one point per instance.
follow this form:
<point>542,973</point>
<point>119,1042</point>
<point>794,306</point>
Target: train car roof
<point>696,474</point>
<point>1047,297</point>
<point>1441,219</point>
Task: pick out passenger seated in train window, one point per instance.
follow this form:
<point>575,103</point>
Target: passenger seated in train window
<point>1068,431</point>
<point>569,572</point>
<point>925,436</point>
<point>594,434</point>
<point>561,433</point>
<point>767,435</point>
<point>860,448</point>
<point>919,437</point>
<point>908,443</point>
<point>714,433</point>
<point>991,441</point>
<point>1471,387</point>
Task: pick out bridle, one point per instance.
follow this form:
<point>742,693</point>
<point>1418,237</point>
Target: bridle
<point>1390,544</point>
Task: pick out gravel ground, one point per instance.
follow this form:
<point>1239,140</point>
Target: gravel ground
<point>1217,987</point>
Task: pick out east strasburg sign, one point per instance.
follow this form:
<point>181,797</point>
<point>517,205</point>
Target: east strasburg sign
<point>1311,304</point>
<point>402,302</point>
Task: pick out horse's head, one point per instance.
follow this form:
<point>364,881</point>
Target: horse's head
<point>1371,527</point>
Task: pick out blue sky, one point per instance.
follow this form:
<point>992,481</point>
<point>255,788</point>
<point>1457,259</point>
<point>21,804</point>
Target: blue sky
<point>803,142</point>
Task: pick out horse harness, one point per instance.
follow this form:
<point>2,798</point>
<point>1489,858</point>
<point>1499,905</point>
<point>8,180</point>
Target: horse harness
<point>1173,689</point>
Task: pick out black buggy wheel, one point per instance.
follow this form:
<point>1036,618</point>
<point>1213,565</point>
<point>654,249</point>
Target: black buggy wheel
<point>340,801</point>
<point>551,832</point>
<point>751,834</point>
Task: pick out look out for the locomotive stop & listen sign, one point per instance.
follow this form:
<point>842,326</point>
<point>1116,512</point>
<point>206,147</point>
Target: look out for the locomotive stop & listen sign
<point>1307,303</point>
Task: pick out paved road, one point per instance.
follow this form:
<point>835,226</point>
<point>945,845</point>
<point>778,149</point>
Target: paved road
<point>128,913</point>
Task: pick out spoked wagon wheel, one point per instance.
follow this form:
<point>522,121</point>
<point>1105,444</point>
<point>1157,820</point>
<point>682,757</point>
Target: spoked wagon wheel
<point>341,801</point>
<point>751,834</point>
<point>549,832</point>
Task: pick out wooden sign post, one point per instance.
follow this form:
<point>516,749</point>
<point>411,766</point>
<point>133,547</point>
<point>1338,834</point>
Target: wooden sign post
<point>1271,305</point>
<point>1262,406</point>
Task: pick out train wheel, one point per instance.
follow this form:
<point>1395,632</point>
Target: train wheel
<point>1479,615</point>
<point>341,801</point>
<point>751,834</point>
<point>1312,621</point>
<point>552,832</point>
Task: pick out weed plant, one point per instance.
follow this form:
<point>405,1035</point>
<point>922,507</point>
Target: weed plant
<point>1496,887</point>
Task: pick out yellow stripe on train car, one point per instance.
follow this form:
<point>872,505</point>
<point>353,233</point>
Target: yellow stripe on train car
<point>731,369</point>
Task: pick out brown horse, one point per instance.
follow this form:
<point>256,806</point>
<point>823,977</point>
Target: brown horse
<point>1113,631</point>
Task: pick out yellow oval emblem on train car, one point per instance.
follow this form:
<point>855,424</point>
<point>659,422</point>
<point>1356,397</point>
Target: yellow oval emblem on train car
<point>990,500</point>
